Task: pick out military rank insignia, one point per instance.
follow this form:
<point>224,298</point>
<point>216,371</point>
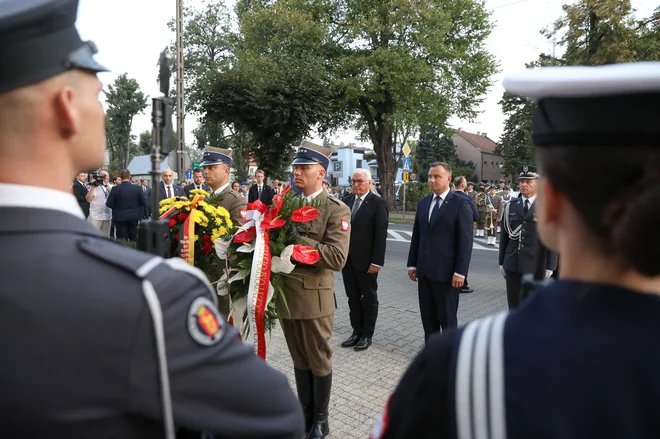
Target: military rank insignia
<point>344,225</point>
<point>205,325</point>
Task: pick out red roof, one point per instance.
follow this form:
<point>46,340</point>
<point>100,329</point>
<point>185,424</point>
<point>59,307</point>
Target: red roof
<point>477,140</point>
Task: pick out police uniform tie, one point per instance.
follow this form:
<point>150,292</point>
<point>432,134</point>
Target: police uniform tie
<point>356,205</point>
<point>526,208</point>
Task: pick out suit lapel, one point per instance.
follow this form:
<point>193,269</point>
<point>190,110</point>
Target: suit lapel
<point>443,208</point>
<point>530,211</point>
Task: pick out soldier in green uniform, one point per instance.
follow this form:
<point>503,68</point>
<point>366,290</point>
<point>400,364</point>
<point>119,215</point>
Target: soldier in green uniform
<point>480,201</point>
<point>494,207</point>
<point>307,323</point>
<point>217,168</point>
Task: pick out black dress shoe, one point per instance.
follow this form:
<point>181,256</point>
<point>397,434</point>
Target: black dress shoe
<point>363,344</point>
<point>467,290</point>
<point>351,341</point>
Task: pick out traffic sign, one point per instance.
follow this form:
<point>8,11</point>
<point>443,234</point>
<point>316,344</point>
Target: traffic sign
<point>406,164</point>
<point>188,174</point>
<point>195,165</point>
<point>413,177</point>
<point>406,176</point>
<point>406,150</point>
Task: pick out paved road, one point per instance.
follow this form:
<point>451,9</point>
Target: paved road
<point>363,380</point>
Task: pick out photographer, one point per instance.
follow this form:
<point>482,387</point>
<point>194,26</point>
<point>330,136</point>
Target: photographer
<point>100,216</point>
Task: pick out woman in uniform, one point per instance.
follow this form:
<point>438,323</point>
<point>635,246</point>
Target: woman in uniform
<point>579,358</point>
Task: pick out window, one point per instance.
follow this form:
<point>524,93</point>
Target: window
<point>492,166</point>
<point>358,163</point>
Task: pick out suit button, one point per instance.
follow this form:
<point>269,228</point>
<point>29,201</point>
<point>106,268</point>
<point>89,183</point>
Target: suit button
<point>320,284</point>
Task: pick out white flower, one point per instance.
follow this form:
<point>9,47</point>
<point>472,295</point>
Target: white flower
<point>222,287</point>
<point>282,263</point>
<point>221,248</point>
<point>245,248</point>
<point>239,276</point>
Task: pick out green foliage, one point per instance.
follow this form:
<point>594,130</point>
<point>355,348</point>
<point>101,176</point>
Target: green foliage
<point>516,142</point>
<point>125,101</point>
<point>414,193</point>
<point>648,44</point>
<point>435,146</point>
<point>144,143</point>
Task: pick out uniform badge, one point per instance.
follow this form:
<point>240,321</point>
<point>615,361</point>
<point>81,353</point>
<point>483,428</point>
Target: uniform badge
<point>205,325</point>
<point>525,169</point>
<point>344,225</point>
<point>243,214</point>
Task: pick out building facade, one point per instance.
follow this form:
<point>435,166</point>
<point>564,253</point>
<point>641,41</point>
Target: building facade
<point>480,149</point>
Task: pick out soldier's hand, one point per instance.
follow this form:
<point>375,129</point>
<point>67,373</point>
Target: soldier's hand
<point>503,272</point>
<point>457,281</point>
<point>412,274</point>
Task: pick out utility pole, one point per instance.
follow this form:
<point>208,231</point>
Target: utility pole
<point>180,109</point>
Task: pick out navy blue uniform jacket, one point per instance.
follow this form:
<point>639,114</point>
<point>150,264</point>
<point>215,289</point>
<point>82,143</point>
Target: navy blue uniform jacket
<point>127,202</point>
<point>444,246</point>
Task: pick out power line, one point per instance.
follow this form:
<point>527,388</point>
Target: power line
<point>510,4</point>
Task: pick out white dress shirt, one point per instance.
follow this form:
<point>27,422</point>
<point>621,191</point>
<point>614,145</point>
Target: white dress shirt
<point>17,195</point>
<point>531,200</point>
<point>221,188</point>
<point>443,197</point>
<point>314,195</point>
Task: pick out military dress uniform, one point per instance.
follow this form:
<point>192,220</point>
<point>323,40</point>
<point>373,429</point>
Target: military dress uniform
<point>532,371</point>
<point>97,339</point>
<point>518,241</point>
<point>311,300</point>
<point>480,201</point>
<point>228,198</point>
<point>494,207</point>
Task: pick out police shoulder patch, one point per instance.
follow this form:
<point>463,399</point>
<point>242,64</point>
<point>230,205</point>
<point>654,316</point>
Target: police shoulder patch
<point>205,325</point>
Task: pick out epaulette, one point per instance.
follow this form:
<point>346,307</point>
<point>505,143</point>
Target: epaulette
<point>114,253</point>
<point>234,193</point>
<point>337,201</point>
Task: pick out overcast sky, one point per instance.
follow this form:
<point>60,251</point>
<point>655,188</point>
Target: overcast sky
<point>131,33</point>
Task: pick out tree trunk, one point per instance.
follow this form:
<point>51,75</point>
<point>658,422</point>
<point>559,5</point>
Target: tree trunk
<point>383,146</point>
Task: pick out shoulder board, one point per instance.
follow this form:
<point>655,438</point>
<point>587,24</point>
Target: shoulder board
<point>336,201</point>
<point>114,253</point>
<point>233,193</point>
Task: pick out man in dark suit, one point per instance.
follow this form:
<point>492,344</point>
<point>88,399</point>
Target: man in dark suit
<point>519,236</point>
<point>440,251</point>
<point>168,188</point>
<point>198,182</point>
<point>127,203</point>
<point>260,190</point>
<point>80,192</point>
<point>460,183</point>
<point>146,191</point>
<point>366,256</point>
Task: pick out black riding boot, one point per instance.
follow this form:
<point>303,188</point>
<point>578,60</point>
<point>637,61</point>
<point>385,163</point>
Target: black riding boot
<point>321,428</point>
<point>304,385</point>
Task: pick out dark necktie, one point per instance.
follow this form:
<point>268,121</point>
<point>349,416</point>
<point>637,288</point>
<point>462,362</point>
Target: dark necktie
<point>169,191</point>
<point>436,207</point>
<point>526,208</point>
<point>356,205</point>
<point>259,191</point>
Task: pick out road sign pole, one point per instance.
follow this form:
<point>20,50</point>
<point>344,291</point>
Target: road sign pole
<point>404,198</point>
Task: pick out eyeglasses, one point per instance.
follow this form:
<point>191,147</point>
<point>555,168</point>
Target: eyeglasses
<point>358,181</point>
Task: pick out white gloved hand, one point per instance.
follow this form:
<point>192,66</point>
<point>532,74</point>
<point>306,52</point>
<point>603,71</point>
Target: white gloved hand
<point>548,273</point>
<point>502,271</point>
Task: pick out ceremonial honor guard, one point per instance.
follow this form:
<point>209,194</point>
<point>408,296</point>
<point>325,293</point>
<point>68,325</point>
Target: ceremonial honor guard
<point>480,201</point>
<point>307,323</point>
<point>97,339</point>
<point>519,236</point>
<point>493,208</point>
<point>588,340</point>
<point>217,169</point>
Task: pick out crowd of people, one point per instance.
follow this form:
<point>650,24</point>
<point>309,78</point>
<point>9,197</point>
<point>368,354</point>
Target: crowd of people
<point>100,340</point>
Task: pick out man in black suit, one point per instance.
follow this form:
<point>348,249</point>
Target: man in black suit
<point>80,192</point>
<point>460,183</point>
<point>440,251</point>
<point>127,203</point>
<point>146,191</point>
<point>198,182</point>
<point>168,188</point>
<point>366,256</point>
<point>260,190</point>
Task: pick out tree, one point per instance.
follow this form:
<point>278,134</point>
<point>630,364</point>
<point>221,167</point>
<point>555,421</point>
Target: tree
<point>648,43</point>
<point>435,146</point>
<point>125,101</point>
<point>516,142</point>
<point>145,143</point>
<point>406,63</point>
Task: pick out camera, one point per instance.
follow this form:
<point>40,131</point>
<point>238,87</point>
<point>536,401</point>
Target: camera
<point>95,178</point>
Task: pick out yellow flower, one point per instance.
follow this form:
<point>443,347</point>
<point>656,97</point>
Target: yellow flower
<point>181,204</point>
<point>167,201</point>
<point>199,192</point>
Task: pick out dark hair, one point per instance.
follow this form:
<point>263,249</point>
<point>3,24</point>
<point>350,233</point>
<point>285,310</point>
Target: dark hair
<point>198,171</point>
<point>124,174</point>
<point>443,164</point>
<point>617,193</point>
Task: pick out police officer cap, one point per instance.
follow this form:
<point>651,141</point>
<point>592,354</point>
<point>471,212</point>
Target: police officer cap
<point>215,156</point>
<point>312,154</point>
<point>470,184</point>
<point>527,173</point>
<point>584,106</point>
<point>39,40</point>
<point>506,188</point>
